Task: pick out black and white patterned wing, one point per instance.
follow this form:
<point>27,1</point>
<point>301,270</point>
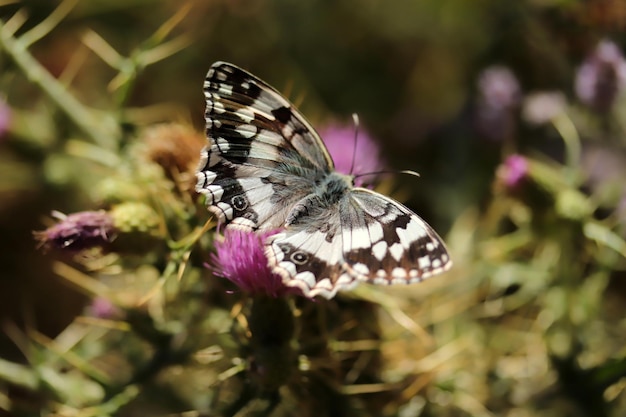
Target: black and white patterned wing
<point>262,155</point>
<point>370,238</point>
<point>388,243</point>
<point>310,257</point>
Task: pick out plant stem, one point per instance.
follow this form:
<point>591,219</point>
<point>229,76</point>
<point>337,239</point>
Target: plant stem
<point>568,132</point>
<point>103,130</point>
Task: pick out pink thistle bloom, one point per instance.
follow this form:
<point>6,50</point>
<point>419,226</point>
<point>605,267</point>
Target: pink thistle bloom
<point>240,257</point>
<point>341,145</point>
<point>78,231</point>
<point>103,308</point>
<point>513,171</point>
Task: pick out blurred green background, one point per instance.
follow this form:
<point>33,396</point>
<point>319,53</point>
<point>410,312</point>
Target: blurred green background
<point>411,70</point>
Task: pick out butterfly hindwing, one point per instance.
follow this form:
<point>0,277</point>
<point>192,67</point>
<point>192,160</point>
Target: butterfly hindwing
<point>390,244</point>
<point>309,261</point>
<point>376,240</point>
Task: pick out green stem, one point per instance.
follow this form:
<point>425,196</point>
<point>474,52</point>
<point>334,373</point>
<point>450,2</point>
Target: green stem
<point>103,131</point>
<point>113,405</point>
<point>568,132</point>
<point>18,375</point>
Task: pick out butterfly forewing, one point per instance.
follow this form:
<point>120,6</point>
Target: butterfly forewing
<point>257,124</point>
<point>266,168</point>
<point>262,156</point>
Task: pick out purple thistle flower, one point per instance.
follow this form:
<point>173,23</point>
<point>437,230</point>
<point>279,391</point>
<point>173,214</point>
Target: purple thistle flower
<point>601,77</point>
<point>103,308</point>
<point>513,171</point>
<point>78,231</point>
<point>498,95</point>
<point>240,257</point>
<point>341,145</point>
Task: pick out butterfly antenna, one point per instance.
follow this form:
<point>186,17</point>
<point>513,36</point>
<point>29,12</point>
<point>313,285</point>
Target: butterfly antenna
<point>405,171</point>
<point>355,118</point>
<point>410,172</point>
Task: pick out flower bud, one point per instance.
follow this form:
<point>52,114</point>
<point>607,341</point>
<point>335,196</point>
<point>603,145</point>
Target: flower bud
<point>78,231</point>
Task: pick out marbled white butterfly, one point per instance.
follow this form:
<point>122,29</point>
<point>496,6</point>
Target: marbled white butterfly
<point>266,168</point>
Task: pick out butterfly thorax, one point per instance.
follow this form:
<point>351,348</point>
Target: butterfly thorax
<point>332,186</point>
<point>329,190</point>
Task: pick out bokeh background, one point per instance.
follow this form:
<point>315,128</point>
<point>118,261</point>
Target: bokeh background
<point>512,112</point>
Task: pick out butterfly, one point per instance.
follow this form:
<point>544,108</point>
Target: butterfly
<point>266,168</point>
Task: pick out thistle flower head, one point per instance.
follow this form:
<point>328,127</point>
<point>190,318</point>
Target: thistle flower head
<point>240,257</point>
<point>365,153</point>
<point>103,308</point>
<point>138,226</point>
<point>135,217</point>
<point>175,147</point>
<point>78,231</point>
<point>513,171</point>
<point>601,77</point>
<point>498,87</point>
<point>498,95</point>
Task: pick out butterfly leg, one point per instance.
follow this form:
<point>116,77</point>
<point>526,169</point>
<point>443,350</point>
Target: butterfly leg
<point>301,209</point>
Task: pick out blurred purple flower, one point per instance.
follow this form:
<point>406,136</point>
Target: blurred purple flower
<point>542,107</point>
<point>604,166</point>
<point>5,118</point>
<point>620,210</point>
<point>78,231</point>
<point>103,308</point>
<point>601,77</point>
<point>341,145</point>
<point>240,257</point>
<point>513,171</point>
<point>498,96</point>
